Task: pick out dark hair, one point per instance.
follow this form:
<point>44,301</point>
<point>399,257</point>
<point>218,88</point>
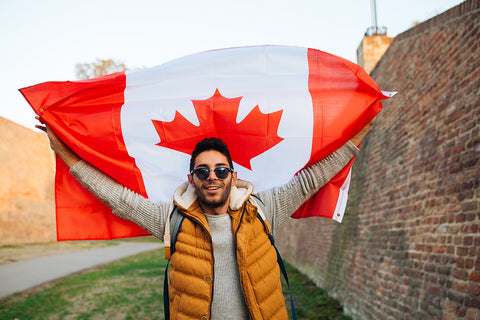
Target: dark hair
<point>210,144</point>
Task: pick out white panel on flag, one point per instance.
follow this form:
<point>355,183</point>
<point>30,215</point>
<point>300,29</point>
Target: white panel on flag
<point>342,199</point>
<point>274,78</point>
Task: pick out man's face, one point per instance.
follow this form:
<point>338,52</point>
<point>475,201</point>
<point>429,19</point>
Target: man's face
<point>213,192</point>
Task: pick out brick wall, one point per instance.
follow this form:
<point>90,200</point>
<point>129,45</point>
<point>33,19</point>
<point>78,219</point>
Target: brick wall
<point>27,212</point>
<point>409,246</point>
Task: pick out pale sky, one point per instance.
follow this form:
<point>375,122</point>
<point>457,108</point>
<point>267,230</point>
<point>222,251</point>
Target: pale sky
<point>43,40</point>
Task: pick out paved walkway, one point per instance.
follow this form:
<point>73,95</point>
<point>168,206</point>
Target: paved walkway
<point>26,274</point>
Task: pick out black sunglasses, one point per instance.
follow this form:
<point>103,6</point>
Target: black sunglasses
<point>203,173</point>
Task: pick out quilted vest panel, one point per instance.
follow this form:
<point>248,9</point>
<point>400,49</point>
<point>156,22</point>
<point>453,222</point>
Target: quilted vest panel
<point>191,272</point>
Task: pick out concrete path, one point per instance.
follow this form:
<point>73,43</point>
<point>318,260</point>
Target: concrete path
<point>26,274</point>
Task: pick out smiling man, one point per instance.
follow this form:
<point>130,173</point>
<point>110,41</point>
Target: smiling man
<point>224,265</point>
<point>210,168</point>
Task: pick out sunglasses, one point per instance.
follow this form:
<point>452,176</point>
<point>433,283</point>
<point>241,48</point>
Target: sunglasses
<point>203,173</point>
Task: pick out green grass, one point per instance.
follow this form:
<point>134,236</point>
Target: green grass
<point>9,246</point>
<point>132,288</point>
<point>311,302</point>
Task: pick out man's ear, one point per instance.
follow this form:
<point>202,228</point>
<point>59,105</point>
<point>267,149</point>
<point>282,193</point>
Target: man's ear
<point>190,180</point>
<point>234,178</point>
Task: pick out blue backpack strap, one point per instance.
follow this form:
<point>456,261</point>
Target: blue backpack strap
<point>166,296</point>
<point>261,216</point>
<point>172,226</point>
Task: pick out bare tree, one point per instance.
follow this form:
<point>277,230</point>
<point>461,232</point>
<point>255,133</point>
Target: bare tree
<point>98,68</point>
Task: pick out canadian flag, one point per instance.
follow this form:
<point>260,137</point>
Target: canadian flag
<point>278,108</point>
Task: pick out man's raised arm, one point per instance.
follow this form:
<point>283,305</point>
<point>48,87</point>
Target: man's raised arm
<point>59,147</point>
<point>283,201</point>
<point>124,203</point>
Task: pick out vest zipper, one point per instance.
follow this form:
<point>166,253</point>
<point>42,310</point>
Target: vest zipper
<point>236,254</point>
<point>213,257</point>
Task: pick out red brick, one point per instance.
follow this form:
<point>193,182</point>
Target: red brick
<point>460,312</point>
<point>461,251</point>
<point>469,263</point>
<point>468,206</point>
<point>476,291</point>
<point>477,241</point>
<point>440,249</point>
<point>460,218</point>
<point>462,287</point>
<point>460,274</point>
<point>474,276</point>
<point>467,241</point>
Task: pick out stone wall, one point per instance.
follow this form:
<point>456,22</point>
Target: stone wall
<point>27,186</point>
<point>409,246</point>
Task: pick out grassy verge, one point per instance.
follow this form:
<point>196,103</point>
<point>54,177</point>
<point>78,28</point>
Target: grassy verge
<point>311,302</point>
<point>132,288</point>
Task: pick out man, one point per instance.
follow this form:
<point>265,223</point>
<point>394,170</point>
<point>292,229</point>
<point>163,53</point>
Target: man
<point>224,266</point>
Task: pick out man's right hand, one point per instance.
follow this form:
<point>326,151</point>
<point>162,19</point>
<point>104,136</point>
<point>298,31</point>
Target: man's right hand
<point>357,139</point>
<point>58,146</point>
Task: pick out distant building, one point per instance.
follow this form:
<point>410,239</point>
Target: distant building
<point>27,208</point>
<point>371,49</point>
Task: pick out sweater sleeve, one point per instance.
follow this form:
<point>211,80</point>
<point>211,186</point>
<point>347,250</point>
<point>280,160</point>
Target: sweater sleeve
<point>281,202</point>
<point>124,202</point>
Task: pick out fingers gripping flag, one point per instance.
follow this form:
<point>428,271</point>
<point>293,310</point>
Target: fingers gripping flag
<point>279,109</point>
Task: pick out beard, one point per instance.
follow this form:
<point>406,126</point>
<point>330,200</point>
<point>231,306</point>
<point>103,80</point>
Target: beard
<point>210,202</point>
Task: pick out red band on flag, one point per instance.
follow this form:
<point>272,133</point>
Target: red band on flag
<point>334,81</point>
<point>86,116</point>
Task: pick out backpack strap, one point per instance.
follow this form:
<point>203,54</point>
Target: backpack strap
<point>166,233</point>
<point>172,226</point>
<point>166,295</point>
<point>260,207</point>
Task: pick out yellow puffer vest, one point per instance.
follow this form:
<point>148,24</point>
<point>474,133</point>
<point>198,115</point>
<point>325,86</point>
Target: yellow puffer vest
<point>191,274</point>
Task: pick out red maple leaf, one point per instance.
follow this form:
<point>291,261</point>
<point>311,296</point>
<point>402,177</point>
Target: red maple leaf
<point>217,117</point>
